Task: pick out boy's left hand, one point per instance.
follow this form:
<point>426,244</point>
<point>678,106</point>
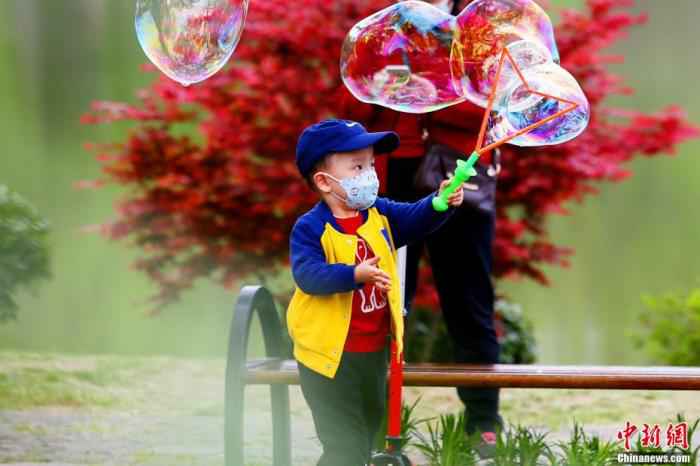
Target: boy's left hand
<point>455,199</point>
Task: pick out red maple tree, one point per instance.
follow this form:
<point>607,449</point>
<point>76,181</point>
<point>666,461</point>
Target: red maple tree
<point>214,189</point>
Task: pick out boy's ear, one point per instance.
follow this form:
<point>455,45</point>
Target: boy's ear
<point>321,182</point>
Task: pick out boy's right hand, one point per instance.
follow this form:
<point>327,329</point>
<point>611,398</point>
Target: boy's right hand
<point>368,272</point>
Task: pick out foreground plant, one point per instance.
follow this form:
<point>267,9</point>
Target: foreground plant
<point>409,426</point>
<point>523,446</point>
<point>583,450</point>
<point>446,443</point>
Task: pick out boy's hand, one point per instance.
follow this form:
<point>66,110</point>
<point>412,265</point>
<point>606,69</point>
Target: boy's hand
<point>455,199</point>
<point>368,272</point>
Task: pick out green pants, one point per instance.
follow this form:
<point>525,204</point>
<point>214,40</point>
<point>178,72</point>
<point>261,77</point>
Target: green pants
<point>348,409</point>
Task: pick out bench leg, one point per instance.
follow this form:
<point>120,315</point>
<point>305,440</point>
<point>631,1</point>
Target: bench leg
<point>281,426</point>
<point>250,300</point>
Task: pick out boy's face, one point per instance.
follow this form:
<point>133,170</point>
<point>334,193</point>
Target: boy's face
<point>343,165</point>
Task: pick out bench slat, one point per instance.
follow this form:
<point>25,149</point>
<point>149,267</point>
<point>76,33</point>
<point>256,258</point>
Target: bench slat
<point>275,371</point>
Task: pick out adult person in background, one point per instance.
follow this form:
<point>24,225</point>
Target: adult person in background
<point>460,252</point>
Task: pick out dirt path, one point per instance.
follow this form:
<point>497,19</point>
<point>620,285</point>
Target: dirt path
<point>72,436</point>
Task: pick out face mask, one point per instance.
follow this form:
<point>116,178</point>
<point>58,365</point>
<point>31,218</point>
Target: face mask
<point>360,190</point>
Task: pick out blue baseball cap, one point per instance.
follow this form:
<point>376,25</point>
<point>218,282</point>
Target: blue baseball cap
<point>332,135</point>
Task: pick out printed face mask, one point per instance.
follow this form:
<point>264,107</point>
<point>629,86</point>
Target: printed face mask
<point>360,190</point>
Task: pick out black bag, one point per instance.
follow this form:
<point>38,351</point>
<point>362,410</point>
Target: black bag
<point>440,161</point>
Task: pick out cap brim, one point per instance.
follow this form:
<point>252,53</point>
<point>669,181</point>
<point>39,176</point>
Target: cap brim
<point>382,141</point>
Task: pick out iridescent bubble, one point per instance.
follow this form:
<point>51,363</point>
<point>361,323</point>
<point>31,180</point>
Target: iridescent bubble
<point>525,54</point>
<point>399,57</point>
<point>413,57</point>
<point>189,40</point>
<point>484,28</point>
<point>517,107</point>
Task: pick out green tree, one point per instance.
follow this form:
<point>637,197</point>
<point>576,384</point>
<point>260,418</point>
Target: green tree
<point>24,255</point>
<point>671,328</point>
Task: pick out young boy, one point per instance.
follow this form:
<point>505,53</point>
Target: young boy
<point>347,299</point>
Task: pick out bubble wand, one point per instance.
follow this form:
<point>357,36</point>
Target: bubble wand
<point>465,168</point>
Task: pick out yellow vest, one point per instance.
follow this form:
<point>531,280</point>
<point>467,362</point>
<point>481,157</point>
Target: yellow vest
<point>319,324</point>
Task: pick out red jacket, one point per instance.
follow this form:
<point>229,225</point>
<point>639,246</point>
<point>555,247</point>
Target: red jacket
<point>456,126</point>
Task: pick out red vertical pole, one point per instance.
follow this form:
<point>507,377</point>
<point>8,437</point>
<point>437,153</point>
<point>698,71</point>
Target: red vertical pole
<point>395,386</point>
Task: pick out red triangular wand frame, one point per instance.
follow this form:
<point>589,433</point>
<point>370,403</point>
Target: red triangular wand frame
<point>487,113</point>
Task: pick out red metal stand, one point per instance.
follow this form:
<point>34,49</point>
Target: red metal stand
<point>393,455</point>
<point>395,386</point>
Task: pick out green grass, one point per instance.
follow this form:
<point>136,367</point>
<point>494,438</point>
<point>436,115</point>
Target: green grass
<point>29,457</point>
<point>24,388</point>
<point>30,429</point>
<point>30,380</point>
<point>34,380</point>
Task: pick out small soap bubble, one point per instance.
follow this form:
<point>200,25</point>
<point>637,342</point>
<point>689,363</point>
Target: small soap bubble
<point>189,40</point>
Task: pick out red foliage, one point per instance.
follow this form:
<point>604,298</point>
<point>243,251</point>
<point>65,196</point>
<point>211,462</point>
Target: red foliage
<point>222,202</point>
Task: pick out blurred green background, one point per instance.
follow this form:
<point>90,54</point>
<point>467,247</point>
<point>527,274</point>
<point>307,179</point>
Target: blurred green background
<point>637,237</point>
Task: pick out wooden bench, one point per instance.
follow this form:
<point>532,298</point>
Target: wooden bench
<point>279,371</point>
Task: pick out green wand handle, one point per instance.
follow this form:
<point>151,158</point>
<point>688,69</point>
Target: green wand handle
<point>463,172</point>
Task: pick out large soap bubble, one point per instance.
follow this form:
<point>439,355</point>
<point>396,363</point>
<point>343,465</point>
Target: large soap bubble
<point>517,107</point>
<point>399,57</point>
<point>413,57</point>
<point>189,40</point>
<point>484,28</point>
<point>522,55</point>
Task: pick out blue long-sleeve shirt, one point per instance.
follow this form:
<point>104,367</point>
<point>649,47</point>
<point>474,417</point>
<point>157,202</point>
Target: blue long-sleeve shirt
<point>408,221</point>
